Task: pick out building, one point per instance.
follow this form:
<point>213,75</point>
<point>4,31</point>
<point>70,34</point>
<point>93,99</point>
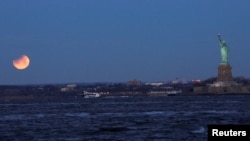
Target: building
<point>134,83</point>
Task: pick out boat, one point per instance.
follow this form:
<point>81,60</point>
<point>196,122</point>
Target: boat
<point>174,92</point>
<point>164,93</point>
<point>86,94</point>
<point>158,93</point>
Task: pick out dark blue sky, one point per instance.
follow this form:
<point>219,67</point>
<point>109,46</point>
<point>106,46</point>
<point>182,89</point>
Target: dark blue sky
<point>119,40</point>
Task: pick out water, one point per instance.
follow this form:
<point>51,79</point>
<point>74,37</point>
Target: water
<point>120,118</point>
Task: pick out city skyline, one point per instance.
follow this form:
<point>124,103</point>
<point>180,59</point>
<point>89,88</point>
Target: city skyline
<point>118,41</point>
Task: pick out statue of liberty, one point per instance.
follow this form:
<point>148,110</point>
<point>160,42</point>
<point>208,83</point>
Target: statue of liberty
<point>223,50</point>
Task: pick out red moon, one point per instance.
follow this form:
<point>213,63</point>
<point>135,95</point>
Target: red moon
<point>21,62</point>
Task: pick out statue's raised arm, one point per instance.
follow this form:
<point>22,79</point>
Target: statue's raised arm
<point>219,37</point>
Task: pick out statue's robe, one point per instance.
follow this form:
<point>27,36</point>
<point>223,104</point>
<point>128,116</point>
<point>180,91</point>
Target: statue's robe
<point>224,53</point>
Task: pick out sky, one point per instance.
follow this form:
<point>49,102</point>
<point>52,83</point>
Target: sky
<point>74,41</point>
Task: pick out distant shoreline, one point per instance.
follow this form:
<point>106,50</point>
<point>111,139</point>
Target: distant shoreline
<point>22,97</point>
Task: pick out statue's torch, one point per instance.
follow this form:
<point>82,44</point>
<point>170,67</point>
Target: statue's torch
<point>219,37</point>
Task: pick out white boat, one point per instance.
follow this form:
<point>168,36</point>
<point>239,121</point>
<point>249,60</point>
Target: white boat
<point>158,93</point>
<point>174,92</point>
<point>90,94</point>
<point>165,93</point>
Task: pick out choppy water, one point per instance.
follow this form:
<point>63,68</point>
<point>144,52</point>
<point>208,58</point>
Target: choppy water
<point>120,118</point>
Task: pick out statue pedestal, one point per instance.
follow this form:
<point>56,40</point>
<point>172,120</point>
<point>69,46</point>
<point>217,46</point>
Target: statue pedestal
<point>224,73</point>
<point>225,82</point>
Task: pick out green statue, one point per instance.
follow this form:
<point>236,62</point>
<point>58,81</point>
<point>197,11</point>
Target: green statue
<point>223,50</point>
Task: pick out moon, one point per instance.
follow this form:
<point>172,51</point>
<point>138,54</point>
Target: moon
<point>22,62</point>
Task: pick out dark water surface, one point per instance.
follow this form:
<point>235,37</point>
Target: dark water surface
<point>120,118</point>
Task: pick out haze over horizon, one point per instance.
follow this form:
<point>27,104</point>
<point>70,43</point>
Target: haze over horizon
<point>117,41</point>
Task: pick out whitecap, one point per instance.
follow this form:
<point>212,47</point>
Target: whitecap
<point>83,114</point>
<point>199,130</point>
<point>39,115</point>
<point>13,117</point>
<point>219,112</point>
<point>116,114</point>
<point>154,113</point>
